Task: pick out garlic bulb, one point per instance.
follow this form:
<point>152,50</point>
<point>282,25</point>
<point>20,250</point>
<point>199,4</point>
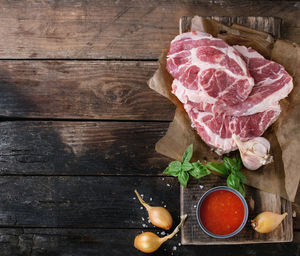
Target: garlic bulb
<point>254,152</point>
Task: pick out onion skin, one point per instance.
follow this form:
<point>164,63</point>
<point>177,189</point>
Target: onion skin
<point>159,216</point>
<point>266,222</point>
<point>147,242</point>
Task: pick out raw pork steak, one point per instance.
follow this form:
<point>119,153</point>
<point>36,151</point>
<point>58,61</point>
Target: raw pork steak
<point>216,129</point>
<point>215,118</point>
<point>210,67</point>
<point>272,83</point>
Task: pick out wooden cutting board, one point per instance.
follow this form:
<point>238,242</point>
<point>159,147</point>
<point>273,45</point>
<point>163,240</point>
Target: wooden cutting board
<point>258,201</point>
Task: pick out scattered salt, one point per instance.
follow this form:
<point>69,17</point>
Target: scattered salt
<point>179,244</point>
<point>174,248</point>
<point>163,233</point>
<point>165,206</point>
<point>141,207</point>
<point>163,179</point>
<point>142,195</point>
<point>149,221</point>
<point>134,198</point>
<point>168,184</point>
<point>200,186</point>
<point>144,225</point>
<point>150,199</point>
<point>143,218</point>
<point>195,206</point>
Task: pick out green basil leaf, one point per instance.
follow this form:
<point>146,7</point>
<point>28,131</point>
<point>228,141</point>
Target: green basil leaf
<point>187,155</point>
<point>199,170</point>
<point>172,172</point>
<point>242,189</point>
<point>233,164</point>
<point>173,169</point>
<point>175,165</point>
<point>186,166</point>
<point>238,162</point>
<point>241,176</point>
<point>183,178</point>
<point>217,167</point>
<point>233,181</point>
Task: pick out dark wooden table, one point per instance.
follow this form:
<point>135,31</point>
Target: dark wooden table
<point>79,124</point>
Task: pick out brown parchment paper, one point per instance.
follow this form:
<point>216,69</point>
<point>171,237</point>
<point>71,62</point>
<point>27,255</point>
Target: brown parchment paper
<point>280,177</point>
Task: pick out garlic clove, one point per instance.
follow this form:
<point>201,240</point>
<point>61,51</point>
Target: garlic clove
<point>254,152</point>
<point>250,162</point>
<point>266,222</point>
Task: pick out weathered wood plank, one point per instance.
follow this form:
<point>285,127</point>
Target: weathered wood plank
<point>84,148</point>
<point>115,242</point>
<point>115,29</point>
<point>270,25</point>
<point>97,202</point>
<point>81,148</point>
<point>258,201</point>
<point>81,90</point>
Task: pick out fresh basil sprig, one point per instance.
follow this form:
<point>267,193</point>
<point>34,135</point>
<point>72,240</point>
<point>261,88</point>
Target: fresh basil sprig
<point>183,170</point>
<point>231,167</point>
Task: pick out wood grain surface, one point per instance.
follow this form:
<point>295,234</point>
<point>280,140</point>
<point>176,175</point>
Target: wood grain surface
<point>81,90</point>
<point>81,148</point>
<point>94,202</point>
<point>82,242</point>
<point>67,186</point>
<point>270,25</point>
<point>116,29</point>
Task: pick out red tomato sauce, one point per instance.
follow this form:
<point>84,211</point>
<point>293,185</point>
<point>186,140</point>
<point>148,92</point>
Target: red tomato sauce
<point>222,212</point>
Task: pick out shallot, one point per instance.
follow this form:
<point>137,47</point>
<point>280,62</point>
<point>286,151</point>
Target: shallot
<point>159,216</point>
<point>149,242</point>
<point>266,222</point>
